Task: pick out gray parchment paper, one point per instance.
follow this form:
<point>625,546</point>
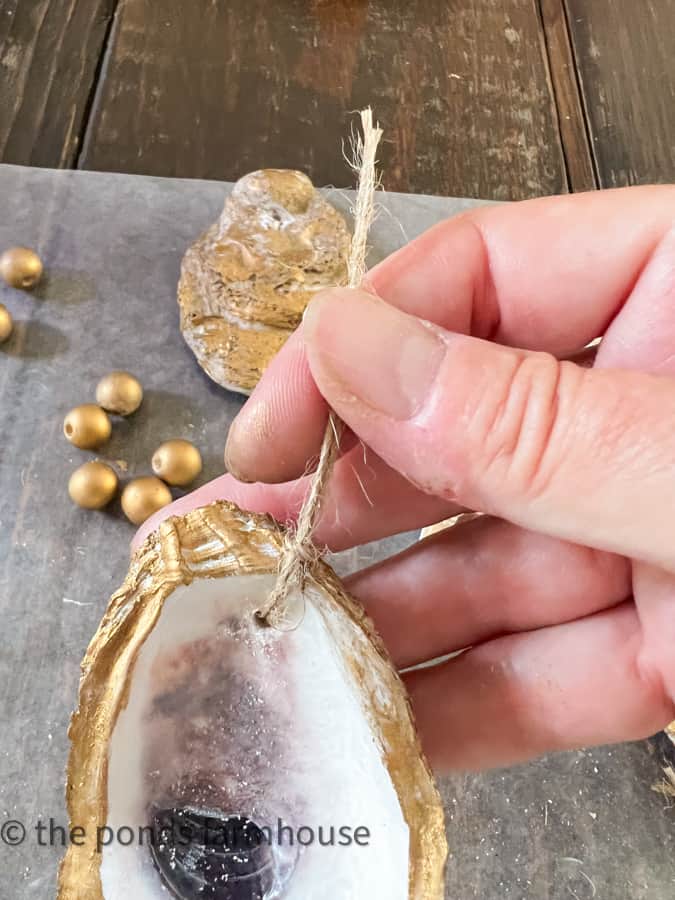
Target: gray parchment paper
<point>573,826</point>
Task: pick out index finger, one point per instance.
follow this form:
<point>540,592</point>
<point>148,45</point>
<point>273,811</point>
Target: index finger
<point>547,274</point>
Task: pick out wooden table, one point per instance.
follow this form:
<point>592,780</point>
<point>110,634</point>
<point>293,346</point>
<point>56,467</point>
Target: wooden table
<point>501,99</point>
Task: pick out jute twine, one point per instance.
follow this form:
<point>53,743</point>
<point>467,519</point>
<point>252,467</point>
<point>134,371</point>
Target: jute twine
<point>299,555</point>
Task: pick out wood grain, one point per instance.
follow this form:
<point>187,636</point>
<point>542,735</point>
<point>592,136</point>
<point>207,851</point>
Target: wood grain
<point>625,54</point>
<point>49,54</point>
<point>461,87</point>
<point>571,120</point>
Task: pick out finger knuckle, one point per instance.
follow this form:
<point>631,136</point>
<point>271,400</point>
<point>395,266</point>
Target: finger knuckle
<point>519,436</point>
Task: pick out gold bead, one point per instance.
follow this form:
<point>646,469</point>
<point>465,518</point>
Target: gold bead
<point>6,323</point>
<point>93,485</point>
<point>144,496</point>
<point>87,426</point>
<point>21,268</point>
<point>177,462</point>
<point>120,393</point>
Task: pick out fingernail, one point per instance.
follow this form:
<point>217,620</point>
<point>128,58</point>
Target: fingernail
<point>230,455</point>
<point>246,428</point>
<point>367,349</point>
<point>232,465</point>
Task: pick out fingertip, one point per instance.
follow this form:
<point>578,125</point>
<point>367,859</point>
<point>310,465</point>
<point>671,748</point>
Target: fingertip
<point>280,426</point>
<point>249,438</point>
<point>323,302</point>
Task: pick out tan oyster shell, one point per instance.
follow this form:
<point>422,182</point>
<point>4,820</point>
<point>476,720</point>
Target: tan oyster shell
<point>245,283</point>
<point>217,541</point>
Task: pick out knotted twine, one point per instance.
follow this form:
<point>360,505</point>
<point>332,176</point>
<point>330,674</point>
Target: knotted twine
<point>298,554</point>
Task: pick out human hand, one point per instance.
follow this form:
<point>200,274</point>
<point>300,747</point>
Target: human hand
<point>565,590</point>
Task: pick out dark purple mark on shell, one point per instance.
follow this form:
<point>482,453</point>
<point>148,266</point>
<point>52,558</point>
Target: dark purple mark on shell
<point>208,855</point>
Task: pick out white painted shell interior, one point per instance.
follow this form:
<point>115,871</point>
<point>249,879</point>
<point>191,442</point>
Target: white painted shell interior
<point>225,714</point>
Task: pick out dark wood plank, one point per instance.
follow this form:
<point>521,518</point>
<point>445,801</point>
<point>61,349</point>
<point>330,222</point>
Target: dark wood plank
<point>49,54</point>
<point>462,89</point>
<point>571,119</point>
<point>625,54</point>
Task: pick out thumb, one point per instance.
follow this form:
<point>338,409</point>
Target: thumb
<point>587,455</point>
